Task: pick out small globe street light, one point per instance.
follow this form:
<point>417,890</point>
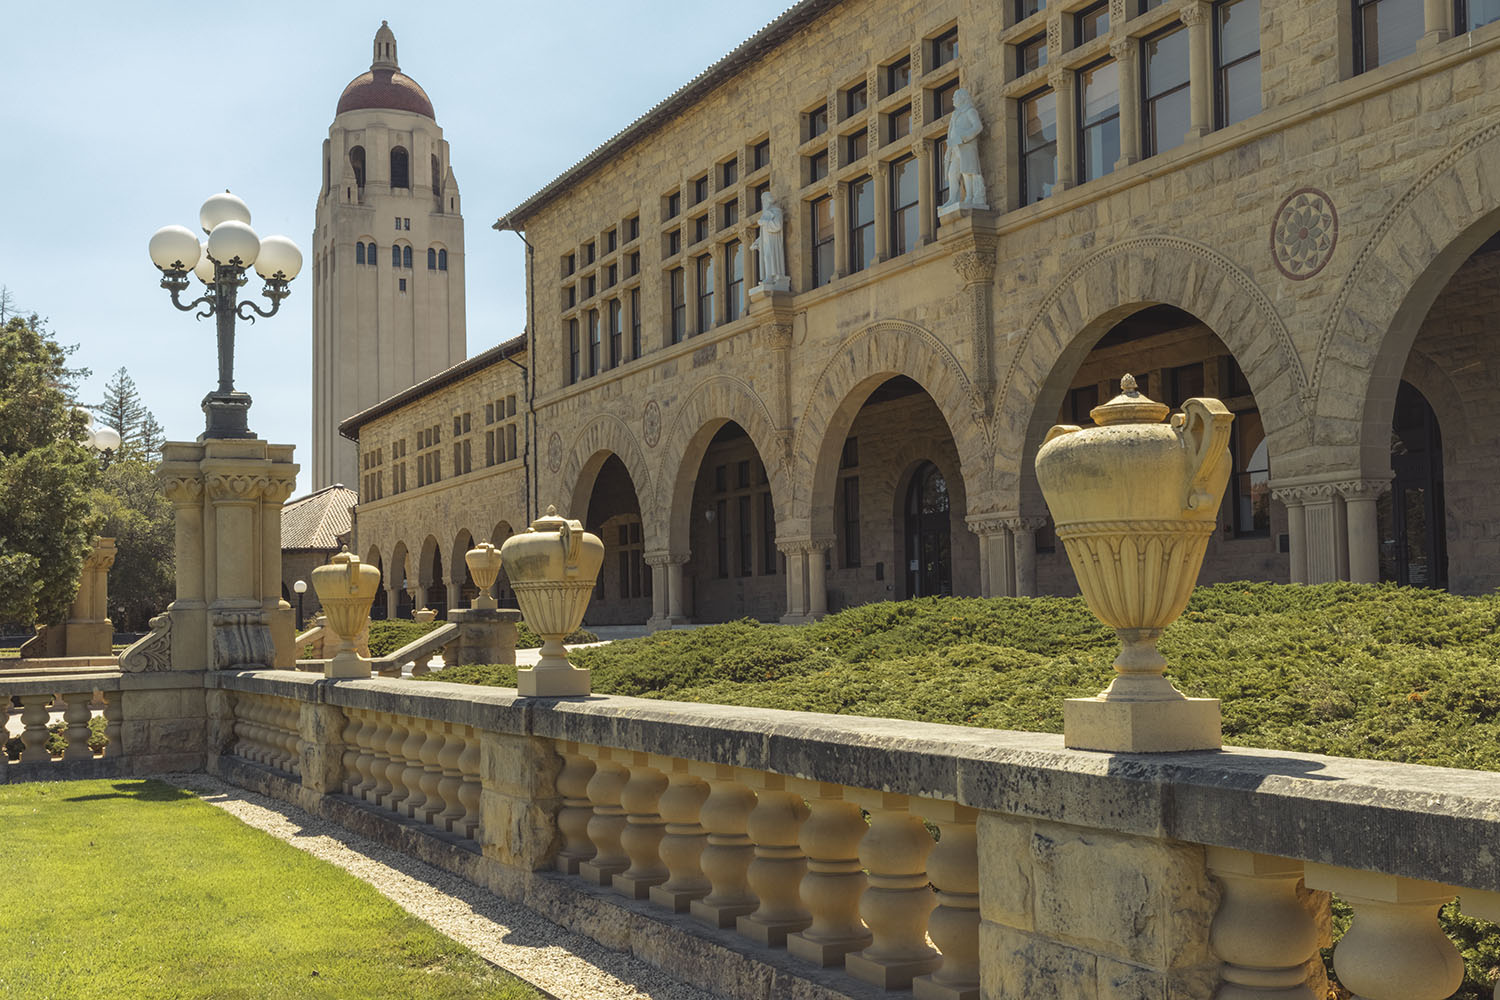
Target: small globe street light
<point>103,441</point>
<point>301,588</point>
<point>221,264</point>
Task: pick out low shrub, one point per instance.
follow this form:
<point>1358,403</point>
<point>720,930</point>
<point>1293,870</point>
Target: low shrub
<point>56,743</point>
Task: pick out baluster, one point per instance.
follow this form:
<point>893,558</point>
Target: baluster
<point>776,873</point>
<point>76,717</point>
<point>364,760</point>
<point>573,816</point>
<point>469,787</point>
<point>897,902</point>
<point>349,761</point>
<point>953,867</point>
<point>114,717</point>
<point>835,878</point>
<point>291,741</point>
<point>432,771</point>
<point>727,851</point>
<point>453,807</point>
<point>395,766</point>
<point>34,717</point>
<point>4,731</point>
<point>683,837</point>
<point>1394,949</point>
<point>608,821</point>
<point>1262,932</point>
<point>380,760</point>
<point>258,733</point>
<point>411,775</point>
<point>644,828</point>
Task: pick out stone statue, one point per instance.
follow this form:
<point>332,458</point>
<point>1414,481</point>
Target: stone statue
<point>962,159</point>
<point>772,249</point>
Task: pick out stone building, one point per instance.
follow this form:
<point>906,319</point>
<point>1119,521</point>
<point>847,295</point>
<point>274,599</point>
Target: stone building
<point>387,258</point>
<point>313,530</point>
<point>1288,204</point>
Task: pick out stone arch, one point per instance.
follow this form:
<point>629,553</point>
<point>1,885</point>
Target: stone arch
<point>1110,285</point>
<point>398,570</point>
<point>1443,395</point>
<point>710,405</point>
<point>1369,331</point>
<point>372,555</point>
<point>858,366</point>
<point>601,437</point>
<point>458,566</point>
<point>426,568</point>
<point>500,533</point>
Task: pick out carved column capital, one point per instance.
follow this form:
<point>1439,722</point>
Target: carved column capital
<point>233,488</point>
<point>183,491</point>
<point>988,524</point>
<point>1302,493</point>
<point>1122,49</point>
<point>1027,523</point>
<point>1363,489</point>
<point>976,266</point>
<point>1193,13</point>
<point>277,490</point>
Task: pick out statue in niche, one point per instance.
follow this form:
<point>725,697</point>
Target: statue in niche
<point>769,243</point>
<point>965,182</point>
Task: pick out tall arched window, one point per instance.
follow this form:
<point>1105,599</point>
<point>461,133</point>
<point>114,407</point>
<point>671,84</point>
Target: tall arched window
<point>928,547</point>
<point>359,253</point>
<point>442,260</point>
<point>400,168</point>
<point>431,259</point>
<point>406,257</point>
<point>357,164</point>
<point>395,256</point>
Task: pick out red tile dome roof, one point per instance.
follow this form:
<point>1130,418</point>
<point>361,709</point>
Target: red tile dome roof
<point>385,89</point>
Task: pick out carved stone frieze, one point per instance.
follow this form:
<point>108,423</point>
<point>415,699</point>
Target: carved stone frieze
<point>242,639</point>
<point>236,488</point>
<point>183,490</point>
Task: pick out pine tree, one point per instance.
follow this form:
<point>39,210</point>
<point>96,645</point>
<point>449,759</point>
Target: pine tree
<point>153,437</point>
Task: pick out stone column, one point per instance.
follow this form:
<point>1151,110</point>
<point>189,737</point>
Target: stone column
<point>282,618</point>
<point>1067,127</point>
<point>1360,496</point>
<point>1123,50</point>
<point>1023,530</point>
<point>674,589</point>
<point>976,269</point>
<point>1437,18</point>
<point>1197,16</point>
<point>391,594</point>
<point>660,617</point>
<point>796,583</point>
<point>454,592</point>
<point>184,487</point>
<point>88,630</point>
<point>1296,531</point>
<point>817,579</point>
<point>996,555</point>
<point>1325,533</point>
<point>1395,949</point>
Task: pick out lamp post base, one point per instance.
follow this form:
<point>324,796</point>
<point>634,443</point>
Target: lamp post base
<point>227,414</point>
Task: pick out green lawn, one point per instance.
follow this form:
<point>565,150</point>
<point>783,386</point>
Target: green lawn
<point>131,889</point>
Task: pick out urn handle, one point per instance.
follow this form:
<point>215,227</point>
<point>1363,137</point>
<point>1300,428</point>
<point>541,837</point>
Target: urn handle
<point>1203,426</point>
<point>571,539</point>
<point>1058,430</point>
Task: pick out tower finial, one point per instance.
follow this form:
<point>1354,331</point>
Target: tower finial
<point>385,48</point>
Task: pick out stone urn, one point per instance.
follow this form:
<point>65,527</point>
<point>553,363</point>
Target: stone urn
<point>1135,501</point>
<point>484,565</point>
<point>346,588</point>
<point>552,567</point>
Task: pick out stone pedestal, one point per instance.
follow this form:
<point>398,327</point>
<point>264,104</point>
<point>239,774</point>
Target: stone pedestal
<point>88,630</point>
<point>228,495</point>
<point>484,636</point>
<point>1142,726</point>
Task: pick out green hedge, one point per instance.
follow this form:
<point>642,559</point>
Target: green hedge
<point>388,636</point>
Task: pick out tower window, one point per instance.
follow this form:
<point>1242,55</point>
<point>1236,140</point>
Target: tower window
<point>359,253</point>
<point>442,260</point>
<point>431,259</point>
<point>400,168</point>
<point>357,164</point>
<point>406,257</point>
<point>395,256</point>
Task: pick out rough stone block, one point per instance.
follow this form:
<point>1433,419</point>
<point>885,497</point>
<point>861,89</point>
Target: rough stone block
<point>519,832</point>
<point>322,730</point>
<point>1005,860</point>
<point>520,766</point>
<point>1016,964</point>
<point>172,736</point>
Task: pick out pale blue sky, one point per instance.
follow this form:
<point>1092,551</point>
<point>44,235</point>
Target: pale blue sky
<point>119,118</point>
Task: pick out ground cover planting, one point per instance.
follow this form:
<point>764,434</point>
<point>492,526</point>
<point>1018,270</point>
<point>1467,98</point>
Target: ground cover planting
<point>388,636</point>
<point>139,889</point>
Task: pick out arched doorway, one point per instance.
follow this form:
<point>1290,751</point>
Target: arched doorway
<point>623,592</point>
<point>1413,535</point>
<point>929,539</point>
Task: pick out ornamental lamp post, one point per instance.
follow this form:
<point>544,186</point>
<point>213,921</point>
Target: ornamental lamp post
<point>221,265</point>
<point>301,588</point>
<point>103,441</point>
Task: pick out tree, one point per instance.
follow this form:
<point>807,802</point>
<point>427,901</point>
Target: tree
<point>46,520</point>
<point>135,512</point>
<point>123,410</point>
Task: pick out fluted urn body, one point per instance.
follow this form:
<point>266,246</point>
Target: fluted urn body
<point>1135,501</point>
<point>484,565</point>
<point>552,568</point>
<point>346,588</point>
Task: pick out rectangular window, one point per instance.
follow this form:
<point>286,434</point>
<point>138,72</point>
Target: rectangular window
<point>611,275</point>
<point>817,166</point>
<point>700,189</point>
<point>1080,402</point>
<point>898,124</point>
<point>569,264</point>
<point>1090,23</point>
<point>742,475</point>
<point>731,213</point>
<point>1098,119</point>
<point>573,347</point>
<point>633,264</point>
<point>616,335</point>
<point>674,205</point>
<point>861,224</point>
<point>1031,54</point>
<point>589,287</point>
<point>730,173</point>
<point>700,229</point>
<point>761,190</point>
<point>851,522</point>
<point>939,172</point>
<point>760,155</point>
<point>1025,8</point>
<point>942,99</point>
<point>570,297</point>
<point>458,426</point>
<point>849,456</point>
<point>678,293</point>
<point>1252,476</point>
<point>632,229</point>
<point>674,243</point>
<point>767,534</point>
<point>856,146</point>
<point>596,355</point>
<point>1237,60</point>
<point>510,442</point>
<point>747,536</point>
<point>609,241</point>
<point>1038,146</point>
<point>817,121</point>
<point>489,413</point>
<point>905,231</point>
<point>822,241</point>
<point>721,537</point>
<point>945,47</point>
<point>1165,114</point>
<point>588,252</point>
<point>1384,31</point>
<point>635,322</point>
<point>705,292</point>
<point>856,99</point>
<point>489,447</point>
<point>1477,13</point>
<point>898,75</point>
<point>734,281</point>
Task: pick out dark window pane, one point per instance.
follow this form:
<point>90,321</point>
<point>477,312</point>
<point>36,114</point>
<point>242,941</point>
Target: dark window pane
<point>1099,116</point>
<point>939,172</point>
<point>856,146</point>
<point>822,235</point>
<point>1025,8</point>
<point>731,172</point>
<point>705,292</point>
<point>1038,147</point>
<point>904,213</point>
<point>817,167</point>
<point>1240,85</point>
<point>1389,30</point>
<point>856,99</point>
<point>1090,23</point>
<point>734,272</point>
<point>942,98</point>
<point>761,155</point>
<point>898,124</point>
<point>817,122</point>
<point>1479,13</point>
<point>897,75</point>
<point>861,224</point>
<point>1032,54</point>
<point>945,47</point>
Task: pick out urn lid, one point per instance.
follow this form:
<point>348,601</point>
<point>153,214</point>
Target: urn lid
<point>551,521</point>
<point>1129,407</point>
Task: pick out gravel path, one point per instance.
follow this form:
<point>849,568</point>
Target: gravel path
<point>564,964</point>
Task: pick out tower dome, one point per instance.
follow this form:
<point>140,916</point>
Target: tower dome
<point>384,86</point>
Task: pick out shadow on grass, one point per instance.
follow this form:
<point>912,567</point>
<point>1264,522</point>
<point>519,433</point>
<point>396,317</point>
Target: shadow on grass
<point>138,791</point>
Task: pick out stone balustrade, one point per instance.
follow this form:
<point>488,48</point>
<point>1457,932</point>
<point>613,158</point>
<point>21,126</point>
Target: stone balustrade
<point>758,852</point>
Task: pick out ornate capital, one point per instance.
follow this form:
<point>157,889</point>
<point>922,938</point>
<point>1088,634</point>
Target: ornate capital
<point>990,523</point>
<point>183,491</point>
<point>1122,49</point>
<point>976,266</point>
<point>1193,13</point>
<point>277,490</point>
<point>1019,524</point>
<point>236,489</point>
<point>778,335</point>
<point>1363,489</point>
<point>1058,80</point>
<point>1296,495</point>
